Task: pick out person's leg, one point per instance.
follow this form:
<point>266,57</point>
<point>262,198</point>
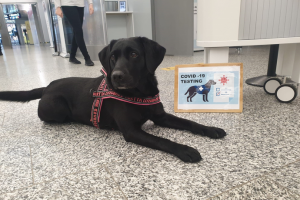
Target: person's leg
<point>74,43</point>
<point>67,10</point>
<point>75,16</point>
<point>81,14</point>
<point>73,47</point>
<point>88,62</point>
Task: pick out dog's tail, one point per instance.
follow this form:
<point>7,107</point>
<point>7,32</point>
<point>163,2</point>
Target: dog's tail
<point>22,96</point>
<point>186,92</point>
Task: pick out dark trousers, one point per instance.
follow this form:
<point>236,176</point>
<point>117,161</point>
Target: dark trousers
<point>75,16</point>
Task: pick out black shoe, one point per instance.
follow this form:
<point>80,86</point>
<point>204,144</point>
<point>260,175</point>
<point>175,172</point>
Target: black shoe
<point>89,62</point>
<point>74,61</point>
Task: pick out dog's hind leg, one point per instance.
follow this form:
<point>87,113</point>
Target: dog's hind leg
<point>193,95</point>
<point>188,91</point>
<point>53,109</point>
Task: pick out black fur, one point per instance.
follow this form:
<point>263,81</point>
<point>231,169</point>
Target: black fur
<point>69,99</point>
<point>22,96</point>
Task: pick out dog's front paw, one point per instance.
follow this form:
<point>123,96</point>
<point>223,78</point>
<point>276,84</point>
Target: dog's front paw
<point>188,154</point>
<point>215,133</point>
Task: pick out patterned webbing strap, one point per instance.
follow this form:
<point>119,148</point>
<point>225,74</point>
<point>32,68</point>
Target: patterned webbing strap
<point>104,93</point>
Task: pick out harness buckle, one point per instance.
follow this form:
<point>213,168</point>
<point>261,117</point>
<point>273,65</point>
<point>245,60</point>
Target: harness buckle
<point>92,92</point>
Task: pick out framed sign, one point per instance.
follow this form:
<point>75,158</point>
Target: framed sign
<point>209,88</point>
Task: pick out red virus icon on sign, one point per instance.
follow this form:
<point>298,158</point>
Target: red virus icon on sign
<point>224,80</point>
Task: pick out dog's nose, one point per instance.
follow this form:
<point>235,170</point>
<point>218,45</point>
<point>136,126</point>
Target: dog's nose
<point>118,76</point>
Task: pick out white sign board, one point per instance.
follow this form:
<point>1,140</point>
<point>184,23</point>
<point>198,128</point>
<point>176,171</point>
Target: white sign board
<point>209,88</point>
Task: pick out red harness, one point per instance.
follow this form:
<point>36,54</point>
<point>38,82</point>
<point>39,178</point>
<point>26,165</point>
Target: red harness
<point>104,93</point>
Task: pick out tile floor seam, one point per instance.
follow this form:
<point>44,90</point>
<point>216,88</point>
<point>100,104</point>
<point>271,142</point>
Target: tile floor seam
<point>112,177</point>
<point>48,181</point>
<point>31,165</point>
<point>281,186</point>
<point>264,174</point>
<point>74,173</point>
<point>235,187</point>
<point>35,184</point>
<point>283,166</point>
<point>52,180</point>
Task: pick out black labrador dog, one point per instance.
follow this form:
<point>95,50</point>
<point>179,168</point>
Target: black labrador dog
<point>130,65</point>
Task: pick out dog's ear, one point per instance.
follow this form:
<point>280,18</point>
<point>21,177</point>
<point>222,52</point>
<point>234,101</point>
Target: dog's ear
<point>154,54</point>
<point>104,56</point>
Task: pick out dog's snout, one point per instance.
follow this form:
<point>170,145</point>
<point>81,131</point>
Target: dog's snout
<point>118,76</point>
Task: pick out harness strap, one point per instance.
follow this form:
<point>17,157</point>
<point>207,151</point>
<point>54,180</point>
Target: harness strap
<point>104,93</point>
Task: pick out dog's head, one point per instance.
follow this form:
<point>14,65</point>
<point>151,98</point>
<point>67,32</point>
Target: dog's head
<point>130,65</point>
<point>211,82</point>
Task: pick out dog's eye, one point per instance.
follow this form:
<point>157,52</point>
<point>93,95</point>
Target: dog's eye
<point>133,55</point>
<point>112,58</point>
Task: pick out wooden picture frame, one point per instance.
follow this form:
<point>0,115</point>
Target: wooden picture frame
<point>235,95</point>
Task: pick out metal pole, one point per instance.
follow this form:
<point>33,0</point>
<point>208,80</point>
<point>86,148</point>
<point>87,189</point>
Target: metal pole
<point>273,55</point>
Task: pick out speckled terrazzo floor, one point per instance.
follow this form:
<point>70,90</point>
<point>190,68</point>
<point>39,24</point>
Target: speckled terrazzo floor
<point>259,158</point>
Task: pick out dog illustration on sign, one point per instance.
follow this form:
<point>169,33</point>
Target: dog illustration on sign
<point>202,89</point>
